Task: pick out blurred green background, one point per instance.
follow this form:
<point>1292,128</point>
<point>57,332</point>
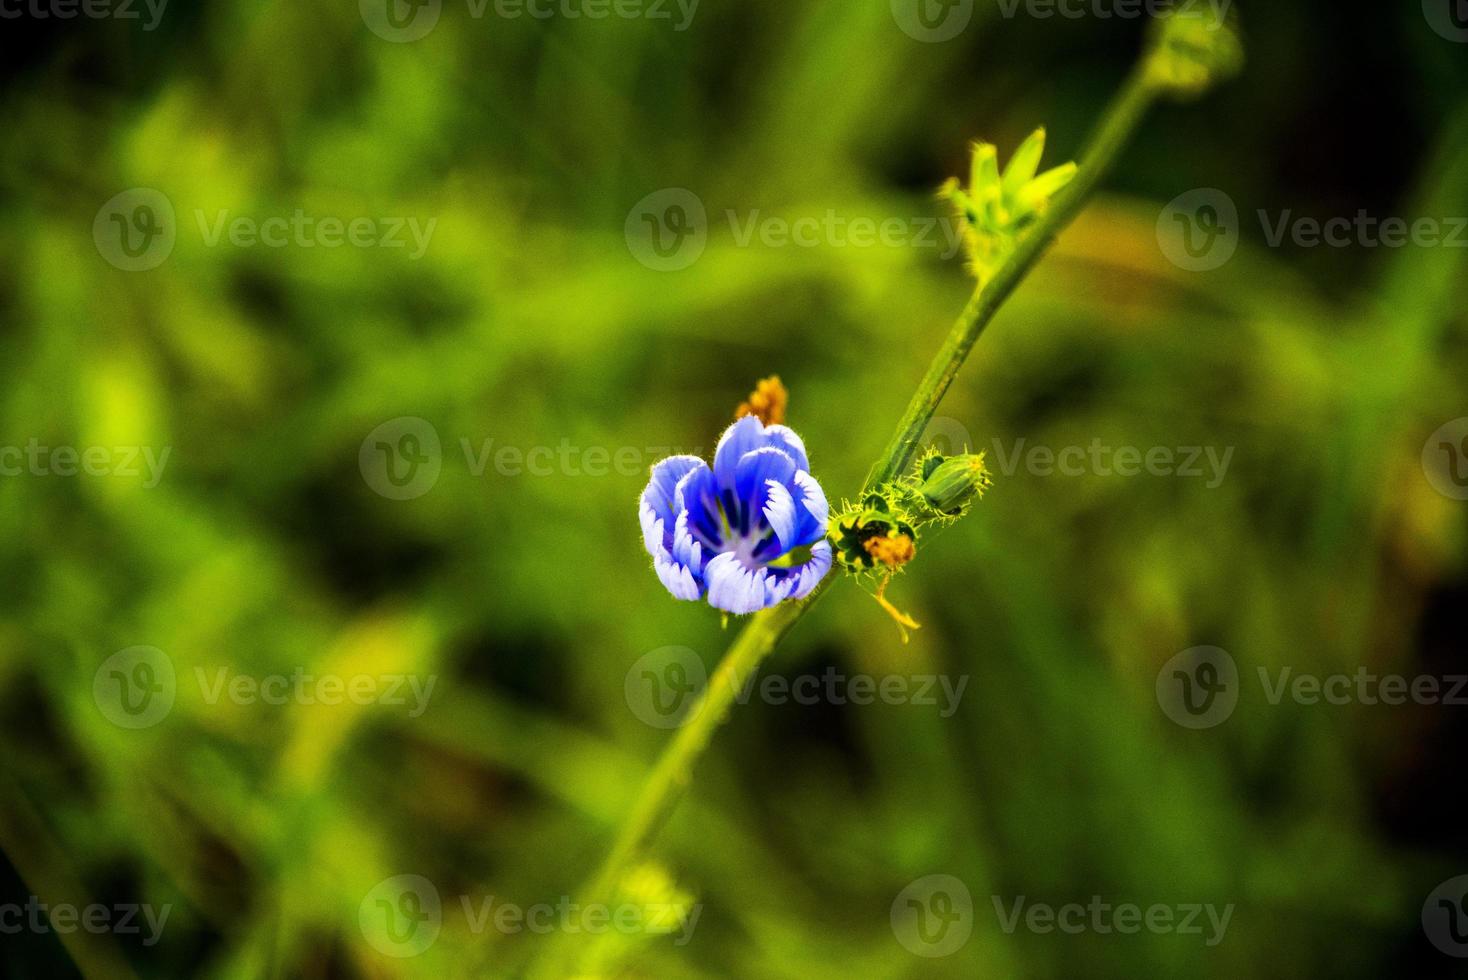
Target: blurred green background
<point>265,548</point>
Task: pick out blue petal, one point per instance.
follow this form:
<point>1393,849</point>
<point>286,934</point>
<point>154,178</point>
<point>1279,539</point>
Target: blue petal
<point>686,551</point>
<point>782,437</point>
<point>678,579</point>
<point>797,583</point>
<point>747,435</point>
<point>698,496</point>
<point>680,569</point>
<point>751,485</point>
<point>744,436</point>
<point>653,538</point>
<point>779,513</point>
<point>733,587</point>
<point>812,512</point>
<point>814,570</point>
<point>659,508</point>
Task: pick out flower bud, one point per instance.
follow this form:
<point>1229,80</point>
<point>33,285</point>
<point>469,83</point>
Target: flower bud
<point>1191,51</point>
<point>872,534</point>
<point>950,483</point>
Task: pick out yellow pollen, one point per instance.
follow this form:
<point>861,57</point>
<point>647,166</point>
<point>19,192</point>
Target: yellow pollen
<point>767,402</point>
<point>893,551</point>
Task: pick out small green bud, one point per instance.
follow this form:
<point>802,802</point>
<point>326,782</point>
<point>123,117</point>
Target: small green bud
<point>649,886</point>
<point>1193,50</point>
<point>949,484</point>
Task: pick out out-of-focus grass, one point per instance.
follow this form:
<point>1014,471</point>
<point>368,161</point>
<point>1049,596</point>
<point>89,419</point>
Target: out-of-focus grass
<point>262,550</point>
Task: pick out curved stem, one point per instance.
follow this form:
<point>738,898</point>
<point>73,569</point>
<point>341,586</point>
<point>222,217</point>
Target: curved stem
<point>1117,126</point>
<point>674,769</point>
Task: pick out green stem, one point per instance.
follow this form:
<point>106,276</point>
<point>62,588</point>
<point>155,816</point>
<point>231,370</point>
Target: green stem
<point>674,769</point>
<point>1118,123</point>
<point>665,786</point>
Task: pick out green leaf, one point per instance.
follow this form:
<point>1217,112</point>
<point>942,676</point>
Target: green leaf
<point>1022,166</point>
<point>985,181</point>
<point>1043,187</point>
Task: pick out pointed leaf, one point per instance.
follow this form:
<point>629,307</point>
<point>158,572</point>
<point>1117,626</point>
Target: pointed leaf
<point>1022,166</point>
<point>1043,187</point>
<point>985,179</point>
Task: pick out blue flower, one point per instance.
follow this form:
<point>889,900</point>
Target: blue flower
<point>748,533</point>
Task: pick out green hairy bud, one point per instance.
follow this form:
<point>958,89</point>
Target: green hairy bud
<point>950,484</point>
<point>998,207</point>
